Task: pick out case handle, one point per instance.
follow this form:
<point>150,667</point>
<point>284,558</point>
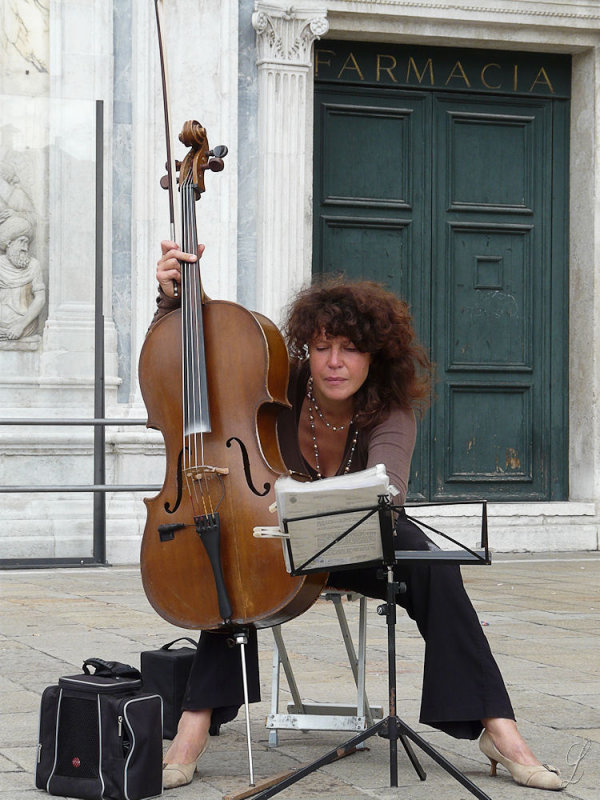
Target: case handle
<point>181,639</point>
<point>110,669</point>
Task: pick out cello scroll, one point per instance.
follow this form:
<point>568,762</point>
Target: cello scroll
<point>199,158</point>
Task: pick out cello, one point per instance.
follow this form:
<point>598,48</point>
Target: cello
<point>213,376</point>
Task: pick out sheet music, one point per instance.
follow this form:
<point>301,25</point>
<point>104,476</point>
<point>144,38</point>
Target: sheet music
<point>307,537</point>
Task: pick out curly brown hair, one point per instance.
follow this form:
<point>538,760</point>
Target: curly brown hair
<point>376,322</point>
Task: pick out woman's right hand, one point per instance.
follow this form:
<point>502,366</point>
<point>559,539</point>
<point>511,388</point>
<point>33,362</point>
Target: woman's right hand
<point>168,269</point>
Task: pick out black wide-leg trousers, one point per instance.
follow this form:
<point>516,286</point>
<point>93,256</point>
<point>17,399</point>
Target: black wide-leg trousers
<point>462,683</point>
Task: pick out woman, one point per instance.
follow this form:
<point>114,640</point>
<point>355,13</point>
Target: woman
<point>357,374</point>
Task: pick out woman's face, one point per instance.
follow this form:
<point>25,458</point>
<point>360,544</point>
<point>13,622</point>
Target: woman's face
<point>337,367</point>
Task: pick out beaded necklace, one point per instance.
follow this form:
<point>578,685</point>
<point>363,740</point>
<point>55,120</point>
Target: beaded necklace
<point>312,404</point>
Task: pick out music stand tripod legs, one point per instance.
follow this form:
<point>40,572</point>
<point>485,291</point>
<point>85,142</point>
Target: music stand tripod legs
<point>391,727</point>
<point>395,728</point>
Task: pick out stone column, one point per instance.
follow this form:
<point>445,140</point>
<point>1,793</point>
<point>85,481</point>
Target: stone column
<point>285,39</point>
<point>80,72</point>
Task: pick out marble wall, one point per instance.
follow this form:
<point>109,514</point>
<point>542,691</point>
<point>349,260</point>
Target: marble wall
<point>245,70</point>
<point>54,61</point>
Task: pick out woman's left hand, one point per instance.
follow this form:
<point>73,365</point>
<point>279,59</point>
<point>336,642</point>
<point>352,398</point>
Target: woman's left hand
<point>168,269</point>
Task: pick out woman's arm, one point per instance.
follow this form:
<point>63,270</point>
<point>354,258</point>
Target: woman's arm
<point>392,443</point>
<point>168,275</point>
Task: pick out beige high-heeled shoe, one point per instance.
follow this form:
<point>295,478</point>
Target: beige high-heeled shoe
<point>537,776</point>
<point>181,774</point>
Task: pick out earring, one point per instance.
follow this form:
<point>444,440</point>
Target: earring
<point>306,353</point>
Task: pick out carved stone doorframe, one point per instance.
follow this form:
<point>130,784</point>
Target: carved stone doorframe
<point>285,40</point>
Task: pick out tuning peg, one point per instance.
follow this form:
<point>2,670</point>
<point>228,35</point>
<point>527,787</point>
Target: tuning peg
<point>177,165</point>
<point>164,181</point>
<point>215,164</point>
<point>220,151</point>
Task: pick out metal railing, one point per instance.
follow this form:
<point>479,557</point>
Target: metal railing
<point>99,488</point>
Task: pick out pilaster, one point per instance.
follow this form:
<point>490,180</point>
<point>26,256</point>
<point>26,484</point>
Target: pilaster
<point>80,48</point>
<point>285,38</point>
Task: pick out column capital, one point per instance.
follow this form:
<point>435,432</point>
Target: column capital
<point>285,34</point>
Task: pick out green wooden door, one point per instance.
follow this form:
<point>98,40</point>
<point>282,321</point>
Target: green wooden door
<point>456,202</point>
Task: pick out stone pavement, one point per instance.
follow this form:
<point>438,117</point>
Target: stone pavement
<point>540,612</point>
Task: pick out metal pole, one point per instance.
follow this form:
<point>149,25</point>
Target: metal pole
<point>99,521</point>
<point>241,639</point>
<point>391,587</point>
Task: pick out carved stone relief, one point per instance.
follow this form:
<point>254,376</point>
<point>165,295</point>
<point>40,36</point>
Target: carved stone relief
<point>22,287</point>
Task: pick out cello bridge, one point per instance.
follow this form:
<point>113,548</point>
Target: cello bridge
<point>197,473</point>
<point>204,482</point>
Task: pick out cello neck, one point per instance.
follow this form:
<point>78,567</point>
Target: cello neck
<point>196,411</point>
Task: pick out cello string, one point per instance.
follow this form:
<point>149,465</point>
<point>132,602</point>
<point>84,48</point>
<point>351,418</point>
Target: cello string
<point>189,334</point>
<point>199,481</point>
<point>205,477</point>
<point>193,338</point>
<point>200,355</point>
<point>186,328</point>
<point>184,311</point>
<point>207,494</point>
<point>193,329</point>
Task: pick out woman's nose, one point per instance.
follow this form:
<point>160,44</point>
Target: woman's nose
<point>334,357</point>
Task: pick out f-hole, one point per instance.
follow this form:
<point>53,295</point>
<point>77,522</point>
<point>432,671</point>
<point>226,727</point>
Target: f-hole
<point>246,460</point>
<point>179,479</point>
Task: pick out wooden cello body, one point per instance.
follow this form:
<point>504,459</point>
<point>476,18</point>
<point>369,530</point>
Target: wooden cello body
<point>219,473</point>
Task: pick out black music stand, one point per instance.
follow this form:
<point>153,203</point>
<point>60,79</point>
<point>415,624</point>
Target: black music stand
<point>391,727</point>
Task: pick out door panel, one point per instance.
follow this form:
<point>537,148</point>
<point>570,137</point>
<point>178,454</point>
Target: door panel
<point>491,160</point>
<point>488,301</point>
<point>387,243</point>
<point>353,134</point>
<point>481,450</point>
